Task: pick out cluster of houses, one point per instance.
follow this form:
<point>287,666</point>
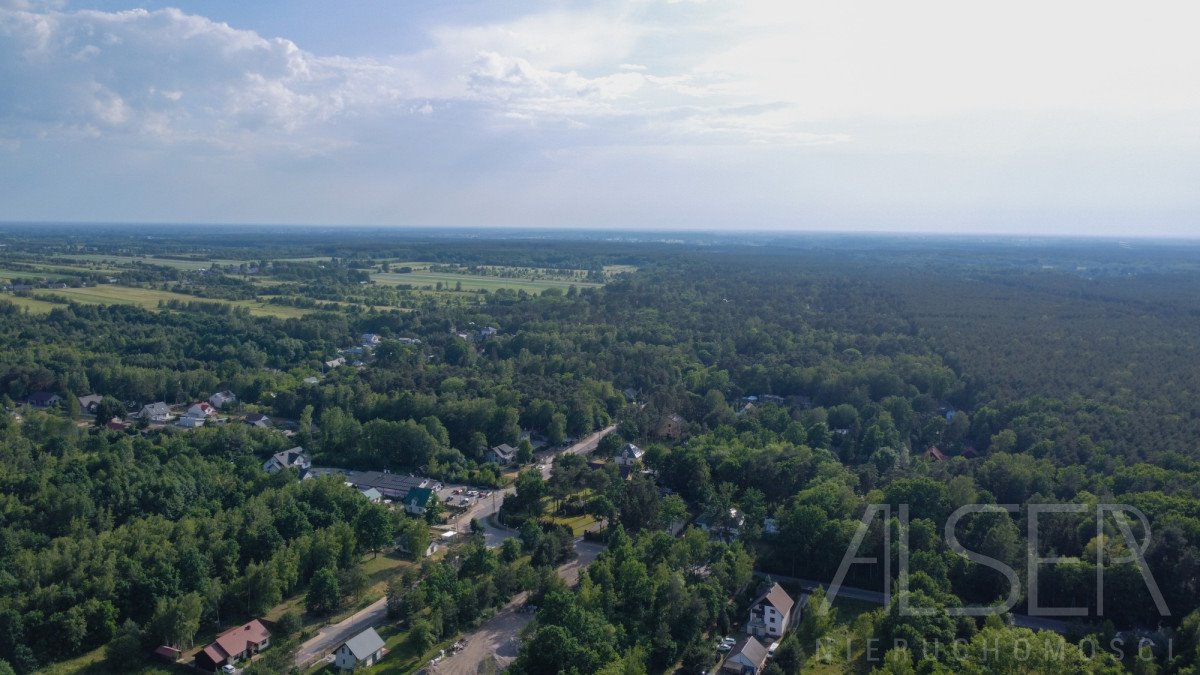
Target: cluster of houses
<point>771,616</point>
<point>242,642</point>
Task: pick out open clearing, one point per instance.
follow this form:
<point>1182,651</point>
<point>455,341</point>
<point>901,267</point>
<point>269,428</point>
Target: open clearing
<point>149,299</point>
<point>35,306</point>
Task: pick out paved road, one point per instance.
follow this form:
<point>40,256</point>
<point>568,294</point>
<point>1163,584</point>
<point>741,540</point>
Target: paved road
<point>329,637</point>
<point>496,638</point>
<point>483,509</point>
<point>875,597</point>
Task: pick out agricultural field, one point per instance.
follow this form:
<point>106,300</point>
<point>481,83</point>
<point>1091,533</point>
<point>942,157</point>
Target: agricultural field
<point>149,299</point>
<point>151,260</point>
<point>10,274</point>
<point>34,306</point>
<point>474,282</point>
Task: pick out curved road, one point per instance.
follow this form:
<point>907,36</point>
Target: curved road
<point>329,637</point>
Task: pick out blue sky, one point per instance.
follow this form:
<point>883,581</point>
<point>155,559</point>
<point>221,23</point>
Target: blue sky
<point>1070,117</point>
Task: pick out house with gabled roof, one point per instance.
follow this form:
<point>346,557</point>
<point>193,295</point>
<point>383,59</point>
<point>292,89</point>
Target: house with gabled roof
<point>222,398</point>
<point>748,657</point>
<point>236,644</point>
<point>44,399</point>
<point>362,650</point>
<point>155,412</point>
<point>292,458</point>
<point>771,613</point>
<point>417,500</point>
<point>502,454</point>
<point>630,455</point>
<point>89,403</point>
<point>258,420</point>
<point>934,454</point>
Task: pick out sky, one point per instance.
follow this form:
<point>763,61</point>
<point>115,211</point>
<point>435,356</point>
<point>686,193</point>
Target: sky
<point>1065,117</point>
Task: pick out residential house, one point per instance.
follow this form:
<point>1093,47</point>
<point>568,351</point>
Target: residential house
<point>933,454</point>
<point>370,340</point>
<point>771,613</point>
<point>487,332</point>
<point>727,528</point>
<point>89,403</point>
<point>374,496</point>
<point>258,420</point>
<point>312,380</point>
<point>672,427</point>
<point>222,398</point>
<point>155,412</point>
<point>630,455</point>
<point>417,499</point>
<point>167,654</point>
<point>335,363</point>
<point>631,394</point>
<point>293,458</point>
<point>408,341</point>
<point>748,657</point>
<point>502,454</point>
<point>364,649</point>
<point>201,410</point>
<point>190,422</point>
<point>236,644</point>
<point>44,399</point>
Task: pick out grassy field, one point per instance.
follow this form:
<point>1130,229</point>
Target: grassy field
<point>473,282</point>
<point>10,274</point>
<point>35,306</point>
<point>150,260</point>
<point>149,299</point>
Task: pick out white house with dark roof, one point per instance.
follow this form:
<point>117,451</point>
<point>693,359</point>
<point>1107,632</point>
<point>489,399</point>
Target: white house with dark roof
<point>362,650</point>
<point>292,458</point>
<point>155,412</point>
<point>771,613</point>
<point>222,398</point>
<point>502,454</point>
<point>630,455</point>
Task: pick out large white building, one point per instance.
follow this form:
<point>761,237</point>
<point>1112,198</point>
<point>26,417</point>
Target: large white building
<point>771,613</point>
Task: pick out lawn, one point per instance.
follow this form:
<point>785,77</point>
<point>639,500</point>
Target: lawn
<point>34,306</point>
<point>577,523</point>
<point>149,298</point>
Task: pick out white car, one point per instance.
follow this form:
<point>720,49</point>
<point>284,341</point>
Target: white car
<point>228,669</point>
<point>772,649</point>
<point>724,646</point>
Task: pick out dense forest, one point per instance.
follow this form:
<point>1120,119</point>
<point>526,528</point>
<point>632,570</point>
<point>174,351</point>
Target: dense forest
<point>809,377</point>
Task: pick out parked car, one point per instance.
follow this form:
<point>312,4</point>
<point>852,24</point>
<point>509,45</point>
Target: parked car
<point>772,649</point>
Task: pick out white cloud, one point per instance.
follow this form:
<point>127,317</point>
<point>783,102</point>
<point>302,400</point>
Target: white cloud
<point>691,111</point>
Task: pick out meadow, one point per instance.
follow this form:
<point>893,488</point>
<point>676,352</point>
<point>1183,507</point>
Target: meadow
<point>149,298</point>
